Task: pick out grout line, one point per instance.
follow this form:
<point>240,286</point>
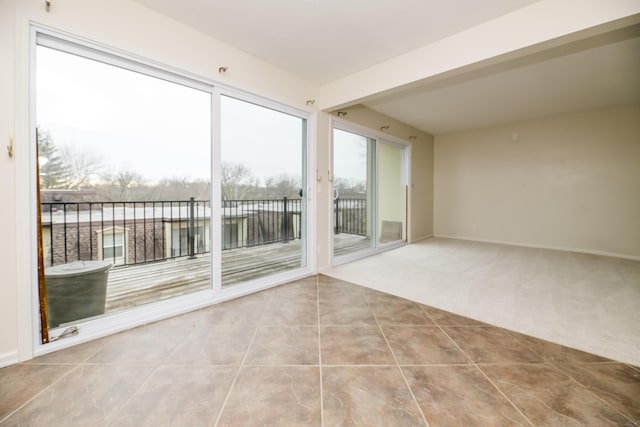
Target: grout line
<point>477,367</point>
<point>124,405</point>
<point>397,365</point>
<point>242,363</point>
<point>12,413</point>
<point>504,395</point>
<point>320,353</point>
<point>558,368</point>
<point>571,377</point>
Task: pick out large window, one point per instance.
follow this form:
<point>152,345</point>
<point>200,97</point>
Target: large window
<point>125,177</point>
<point>264,193</point>
<point>369,193</point>
<point>125,155</point>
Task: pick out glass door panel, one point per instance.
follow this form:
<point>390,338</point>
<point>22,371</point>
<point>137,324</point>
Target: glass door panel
<point>353,195</point>
<point>391,193</point>
<point>263,174</point>
<point>124,168</point>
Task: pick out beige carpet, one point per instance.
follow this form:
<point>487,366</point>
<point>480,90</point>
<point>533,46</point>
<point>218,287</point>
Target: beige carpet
<point>587,302</point>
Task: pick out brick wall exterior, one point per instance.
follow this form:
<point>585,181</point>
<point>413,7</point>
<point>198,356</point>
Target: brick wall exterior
<point>146,241</point>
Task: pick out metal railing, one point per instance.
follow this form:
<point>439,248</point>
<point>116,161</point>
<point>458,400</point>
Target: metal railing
<point>124,232</point>
<point>247,223</point>
<point>146,231</point>
<point>350,216</point>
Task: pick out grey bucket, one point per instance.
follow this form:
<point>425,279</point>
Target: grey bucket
<point>75,291</point>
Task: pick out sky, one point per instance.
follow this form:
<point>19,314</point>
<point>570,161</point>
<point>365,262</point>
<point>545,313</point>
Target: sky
<point>156,128</point>
<point>349,156</point>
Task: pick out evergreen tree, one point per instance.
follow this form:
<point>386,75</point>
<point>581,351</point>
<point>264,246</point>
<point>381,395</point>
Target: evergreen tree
<point>54,174</point>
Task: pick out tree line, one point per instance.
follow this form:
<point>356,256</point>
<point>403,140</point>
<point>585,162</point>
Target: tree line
<point>72,168</point>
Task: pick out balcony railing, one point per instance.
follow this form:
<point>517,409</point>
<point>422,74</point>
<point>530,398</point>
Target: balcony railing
<point>247,223</point>
<point>128,233</point>
<point>124,232</point>
<point>350,216</point>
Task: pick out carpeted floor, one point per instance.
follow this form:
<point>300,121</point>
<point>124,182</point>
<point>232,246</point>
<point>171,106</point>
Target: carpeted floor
<point>584,301</point>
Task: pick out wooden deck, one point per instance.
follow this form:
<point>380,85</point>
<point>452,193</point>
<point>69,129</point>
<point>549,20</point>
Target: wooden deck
<point>135,285</point>
<point>347,243</point>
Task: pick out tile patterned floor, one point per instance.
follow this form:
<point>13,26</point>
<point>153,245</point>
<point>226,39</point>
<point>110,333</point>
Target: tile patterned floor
<point>319,351</point>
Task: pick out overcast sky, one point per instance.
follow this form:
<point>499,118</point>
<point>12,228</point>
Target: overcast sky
<point>156,128</point>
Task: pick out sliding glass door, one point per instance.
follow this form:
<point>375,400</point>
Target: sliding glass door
<point>369,194</point>
<point>124,171</point>
<point>353,192</point>
<point>125,207</point>
<point>263,191</point>
<point>392,193</point>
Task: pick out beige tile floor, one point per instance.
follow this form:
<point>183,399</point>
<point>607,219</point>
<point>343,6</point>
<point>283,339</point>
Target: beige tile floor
<point>584,301</point>
<point>319,351</point>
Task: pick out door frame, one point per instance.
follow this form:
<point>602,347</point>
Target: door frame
<point>377,136</point>
<point>29,344</point>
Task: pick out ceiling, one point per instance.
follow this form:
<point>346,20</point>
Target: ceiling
<point>596,73</point>
<point>325,40</point>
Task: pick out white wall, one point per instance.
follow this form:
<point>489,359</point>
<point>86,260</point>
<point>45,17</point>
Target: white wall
<point>8,283</point>
<point>119,24</point>
<point>568,182</point>
<point>324,221</point>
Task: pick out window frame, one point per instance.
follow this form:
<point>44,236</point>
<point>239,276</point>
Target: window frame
<point>378,137</point>
<point>40,35</point>
<point>115,232</point>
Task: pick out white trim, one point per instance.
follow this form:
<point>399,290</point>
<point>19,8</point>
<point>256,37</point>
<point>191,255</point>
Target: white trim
<point>347,126</point>
<point>216,191</point>
<point>9,358</point>
<point>27,301</point>
<point>118,322</point>
<point>125,242</point>
<point>308,252</point>
<point>378,137</point>
<point>538,246</point>
<point>89,49</point>
<point>26,259</point>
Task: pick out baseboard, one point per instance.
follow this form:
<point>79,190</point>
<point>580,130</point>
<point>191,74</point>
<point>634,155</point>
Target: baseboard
<point>536,246</point>
<point>7,359</point>
<point>323,270</point>
<point>421,238</point>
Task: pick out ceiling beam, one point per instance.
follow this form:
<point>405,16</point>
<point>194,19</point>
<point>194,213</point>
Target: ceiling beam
<point>531,29</point>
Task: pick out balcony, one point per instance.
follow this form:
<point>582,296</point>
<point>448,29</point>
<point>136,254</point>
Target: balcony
<point>162,249</point>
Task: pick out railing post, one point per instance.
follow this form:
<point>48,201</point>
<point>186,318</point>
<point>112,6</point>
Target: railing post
<point>191,236</point>
<point>286,222</point>
<point>337,228</point>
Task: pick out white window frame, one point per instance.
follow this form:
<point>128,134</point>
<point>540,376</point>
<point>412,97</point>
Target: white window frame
<point>308,220</point>
<point>379,138</point>
<point>29,345</point>
<point>114,231</point>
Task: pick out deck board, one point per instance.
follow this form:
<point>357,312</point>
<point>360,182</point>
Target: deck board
<point>135,285</point>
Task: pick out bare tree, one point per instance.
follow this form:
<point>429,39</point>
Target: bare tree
<point>238,182</point>
<point>181,188</point>
<point>83,165</point>
<point>120,186</point>
<point>350,187</point>
<point>283,185</point>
